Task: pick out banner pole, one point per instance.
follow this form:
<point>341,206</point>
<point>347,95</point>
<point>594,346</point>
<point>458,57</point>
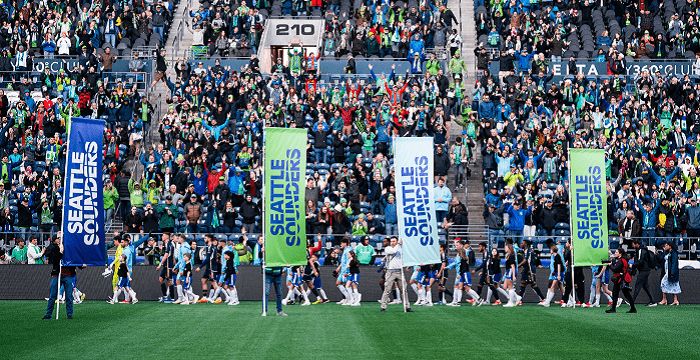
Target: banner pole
<point>264,308</point>
<point>60,267</point>
<point>571,228</point>
<point>404,295</point>
<point>58,289</point>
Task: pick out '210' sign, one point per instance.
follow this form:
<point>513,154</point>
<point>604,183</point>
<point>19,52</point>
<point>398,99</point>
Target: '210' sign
<point>296,29</point>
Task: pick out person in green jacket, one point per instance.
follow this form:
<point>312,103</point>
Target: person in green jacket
<point>168,213</point>
<point>295,57</point>
<point>244,256</point>
<point>136,194</point>
<point>109,197</point>
<point>368,138</point>
<point>19,253</point>
<point>364,251</point>
<point>360,225</point>
<point>457,65</point>
<point>432,66</point>
<point>466,118</point>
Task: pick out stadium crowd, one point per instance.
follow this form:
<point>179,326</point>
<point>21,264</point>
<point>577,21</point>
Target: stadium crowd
<point>36,106</point>
<point>395,29</point>
<point>525,123</point>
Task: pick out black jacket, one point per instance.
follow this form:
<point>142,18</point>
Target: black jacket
<point>641,259</point>
<point>150,222</point>
<point>249,210</point>
<point>122,185</point>
<point>442,164</point>
<point>24,214</point>
<point>181,181</point>
<point>133,222</point>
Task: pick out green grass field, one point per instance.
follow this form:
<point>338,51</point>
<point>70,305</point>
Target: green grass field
<point>330,331</point>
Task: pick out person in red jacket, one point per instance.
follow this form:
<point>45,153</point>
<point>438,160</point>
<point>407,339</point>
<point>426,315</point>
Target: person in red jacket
<point>213,177</point>
<point>346,113</point>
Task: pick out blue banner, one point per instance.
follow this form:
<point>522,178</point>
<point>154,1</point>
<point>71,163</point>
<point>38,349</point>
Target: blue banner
<point>83,206</point>
<point>413,163</point>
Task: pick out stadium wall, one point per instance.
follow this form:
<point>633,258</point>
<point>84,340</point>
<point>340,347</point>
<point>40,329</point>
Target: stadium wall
<point>31,282</point>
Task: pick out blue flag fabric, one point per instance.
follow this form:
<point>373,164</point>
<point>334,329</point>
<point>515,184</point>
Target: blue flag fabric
<point>83,206</point>
<point>413,163</point>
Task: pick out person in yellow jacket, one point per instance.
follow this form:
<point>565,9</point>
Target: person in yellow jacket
<point>115,264</point>
<point>513,176</point>
<point>152,192</point>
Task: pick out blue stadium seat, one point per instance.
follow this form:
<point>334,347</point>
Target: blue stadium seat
<point>562,226</point>
<point>562,233</point>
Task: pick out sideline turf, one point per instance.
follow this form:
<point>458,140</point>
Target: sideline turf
<point>330,331</point>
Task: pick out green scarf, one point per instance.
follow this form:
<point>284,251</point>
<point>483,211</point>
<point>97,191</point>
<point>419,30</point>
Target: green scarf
<point>144,112</point>
<point>46,215</point>
<point>215,219</point>
<point>5,172</point>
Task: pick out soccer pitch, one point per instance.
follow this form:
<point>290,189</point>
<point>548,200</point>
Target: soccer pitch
<point>330,331</point>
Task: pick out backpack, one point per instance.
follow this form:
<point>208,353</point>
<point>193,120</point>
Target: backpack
<point>652,261</point>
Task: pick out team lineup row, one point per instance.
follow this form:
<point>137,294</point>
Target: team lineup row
<point>219,268</point>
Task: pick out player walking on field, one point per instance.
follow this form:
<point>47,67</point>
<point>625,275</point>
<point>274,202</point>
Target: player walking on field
<point>511,276</point>
<point>557,270</point>
<point>463,279</point>
<point>353,280</point>
<point>166,269</point>
<point>342,271</point>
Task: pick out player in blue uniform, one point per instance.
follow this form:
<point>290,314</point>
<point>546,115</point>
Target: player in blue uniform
<point>123,277</point>
<point>428,279</point>
<point>130,252</point>
<point>353,279</point>
<point>342,271</point>
<point>209,265</point>
<point>222,287</point>
<point>511,275</point>
<point>230,276</point>
<point>296,288</point>
<point>416,283</point>
<point>190,297</point>
<point>601,279</point>
<point>463,278</point>
<point>557,269</point>
<point>180,265</point>
<point>312,279</point>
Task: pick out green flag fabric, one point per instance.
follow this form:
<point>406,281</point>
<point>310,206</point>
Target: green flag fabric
<point>589,217</point>
<point>284,220</point>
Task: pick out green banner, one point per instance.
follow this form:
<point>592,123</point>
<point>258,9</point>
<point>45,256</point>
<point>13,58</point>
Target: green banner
<point>284,220</point>
<point>589,216</point>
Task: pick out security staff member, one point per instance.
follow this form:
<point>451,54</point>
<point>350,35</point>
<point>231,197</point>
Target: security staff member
<point>620,278</point>
<point>642,266</point>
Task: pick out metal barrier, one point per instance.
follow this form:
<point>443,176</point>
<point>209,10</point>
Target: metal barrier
<point>203,54</point>
<point>472,233</point>
<point>138,79</point>
<point>177,39</point>
<point>687,247</point>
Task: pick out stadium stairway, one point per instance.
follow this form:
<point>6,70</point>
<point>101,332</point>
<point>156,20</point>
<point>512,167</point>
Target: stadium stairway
<point>469,38</point>
<point>174,50</point>
<point>472,195</point>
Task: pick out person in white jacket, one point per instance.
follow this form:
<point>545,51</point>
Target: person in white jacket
<point>34,254</point>
<point>63,44</point>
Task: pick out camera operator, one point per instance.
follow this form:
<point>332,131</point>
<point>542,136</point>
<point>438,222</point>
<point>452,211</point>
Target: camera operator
<point>642,265</point>
<point>621,279</point>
